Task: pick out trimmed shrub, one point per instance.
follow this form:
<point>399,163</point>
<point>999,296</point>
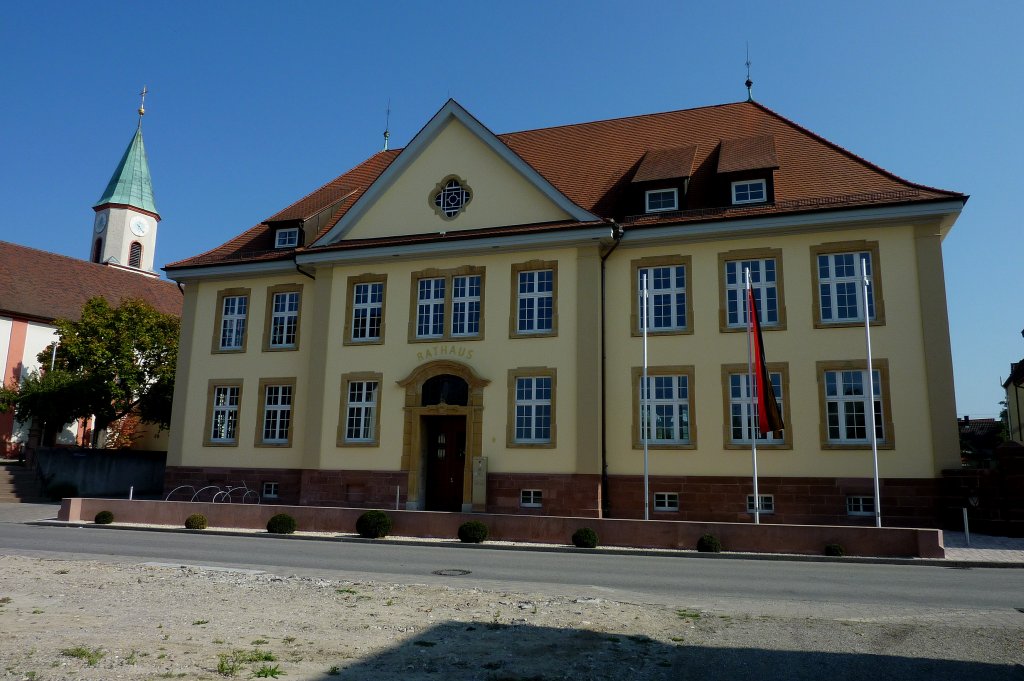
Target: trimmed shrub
<point>584,538</point>
<point>373,524</point>
<point>196,521</point>
<point>60,490</point>
<point>834,550</point>
<point>104,518</point>
<point>709,543</point>
<point>472,532</point>
<point>282,523</point>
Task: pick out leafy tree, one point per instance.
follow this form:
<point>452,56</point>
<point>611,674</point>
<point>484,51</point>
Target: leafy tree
<point>113,362</point>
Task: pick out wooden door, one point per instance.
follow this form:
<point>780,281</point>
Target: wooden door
<point>445,462</point>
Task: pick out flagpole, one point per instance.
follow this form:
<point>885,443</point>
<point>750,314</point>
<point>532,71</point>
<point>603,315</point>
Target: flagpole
<point>871,393</point>
<point>753,399</point>
<point>645,390</point>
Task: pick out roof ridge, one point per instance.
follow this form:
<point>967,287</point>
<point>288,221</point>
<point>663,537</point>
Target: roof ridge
<point>622,118</point>
<point>326,184</point>
<point>856,157</point>
<point>51,253</point>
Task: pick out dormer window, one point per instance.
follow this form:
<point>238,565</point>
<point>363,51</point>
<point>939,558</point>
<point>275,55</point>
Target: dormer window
<point>749,191</point>
<point>658,200</point>
<point>287,238</point>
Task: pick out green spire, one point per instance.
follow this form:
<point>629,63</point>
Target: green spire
<point>130,184</point>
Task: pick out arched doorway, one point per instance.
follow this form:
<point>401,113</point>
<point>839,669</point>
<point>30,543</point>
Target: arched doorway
<point>442,434</point>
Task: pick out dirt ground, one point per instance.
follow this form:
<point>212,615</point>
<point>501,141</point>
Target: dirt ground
<point>64,619</point>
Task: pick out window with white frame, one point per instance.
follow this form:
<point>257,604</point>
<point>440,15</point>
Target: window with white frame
<point>284,319</point>
<point>277,414</point>
<point>840,282</point>
<point>535,302</point>
<point>466,305</point>
<point>749,191</point>
<point>430,308</point>
<point>270,490</point>
<point>661,200</point>
<point>666,297</point>
<point>224,419</point>
<point>361,416</point>
<point>846,404</point>
<point>665,409</point>
<point>666,501</point>
<point>767,503</point>
<point>287,238</point>
<point>763,282</point>
<point>860,505</point>
<point>367,310</point>
<point>531,498</point>
<point>234,311</point>
<point>533,409</point>
<point>742,416</point>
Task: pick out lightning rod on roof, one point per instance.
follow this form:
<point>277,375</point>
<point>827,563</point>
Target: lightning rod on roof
<point>749,83</point>
<point>387,126</point>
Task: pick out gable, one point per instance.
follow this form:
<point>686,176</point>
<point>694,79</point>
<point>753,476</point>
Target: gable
<point>501,194</point>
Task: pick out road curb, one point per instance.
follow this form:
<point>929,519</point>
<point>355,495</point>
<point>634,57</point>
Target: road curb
<point>612,551</point>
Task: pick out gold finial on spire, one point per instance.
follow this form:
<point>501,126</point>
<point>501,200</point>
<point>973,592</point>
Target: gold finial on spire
<point>142,106</point>
<point>387,126</point>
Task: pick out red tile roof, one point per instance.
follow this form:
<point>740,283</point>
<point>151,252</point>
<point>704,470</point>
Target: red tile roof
<point>593,165</point>
<point>45,286</point>
<point>747,153</point>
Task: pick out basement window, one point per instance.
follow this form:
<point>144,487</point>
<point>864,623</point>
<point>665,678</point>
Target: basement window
<point>860,505</point>
<point>530,498</point>
<point>767,503</point>
<point>666,501</point>
<point>270,490</point>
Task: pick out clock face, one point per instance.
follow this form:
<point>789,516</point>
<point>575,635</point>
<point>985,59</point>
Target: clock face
<point>139,227</point>
<point>101,222</point>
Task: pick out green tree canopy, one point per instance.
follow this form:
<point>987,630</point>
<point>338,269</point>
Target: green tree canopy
<point>110,363</point>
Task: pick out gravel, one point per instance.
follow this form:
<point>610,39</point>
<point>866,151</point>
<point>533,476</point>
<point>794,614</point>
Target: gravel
<point>72,619</point>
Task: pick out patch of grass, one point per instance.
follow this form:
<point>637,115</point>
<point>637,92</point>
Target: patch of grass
<point>161,656</point>
<point>91,657</point>
<point>218,641</point>
<point>254,655</point>
<point>334,671</point>
<point>227,665</point>
<point>614,639</point>
<point>5,600</point>
<point>288,639</point>
<point>198,622</point>
<point>664,663</point>
<point>132,657</point>
<point>345,591</point>
<point>425,644</point>
<point>260,642</point>
<point>676,639</point>
<point>37,611</point>
<point>688,614</point>
<point>62,572</point>
<point>268,672</point>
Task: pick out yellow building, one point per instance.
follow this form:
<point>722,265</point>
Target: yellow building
<point>455,326</point>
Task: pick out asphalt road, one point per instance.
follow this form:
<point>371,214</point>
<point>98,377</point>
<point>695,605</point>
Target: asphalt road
<point>722,585</point>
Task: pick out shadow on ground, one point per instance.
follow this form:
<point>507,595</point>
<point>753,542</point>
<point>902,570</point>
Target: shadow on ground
<point>498,652</point>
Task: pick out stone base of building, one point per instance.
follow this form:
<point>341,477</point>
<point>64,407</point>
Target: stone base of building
<point>796,501</point>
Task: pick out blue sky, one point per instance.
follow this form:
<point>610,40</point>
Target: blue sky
<point>254,104</point>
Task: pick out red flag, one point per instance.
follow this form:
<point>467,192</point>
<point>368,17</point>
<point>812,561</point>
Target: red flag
<point>769,420</point>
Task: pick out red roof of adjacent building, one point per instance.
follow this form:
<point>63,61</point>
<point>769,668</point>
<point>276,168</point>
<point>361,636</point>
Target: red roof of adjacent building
<point>594,165</point>
<point>45,286</point>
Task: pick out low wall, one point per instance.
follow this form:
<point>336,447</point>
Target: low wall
<point>103,472</point>
<point>667,534</point>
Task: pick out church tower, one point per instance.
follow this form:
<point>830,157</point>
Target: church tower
<point>124,230</point>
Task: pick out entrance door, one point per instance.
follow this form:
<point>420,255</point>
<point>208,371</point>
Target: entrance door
<point>445,458</point>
